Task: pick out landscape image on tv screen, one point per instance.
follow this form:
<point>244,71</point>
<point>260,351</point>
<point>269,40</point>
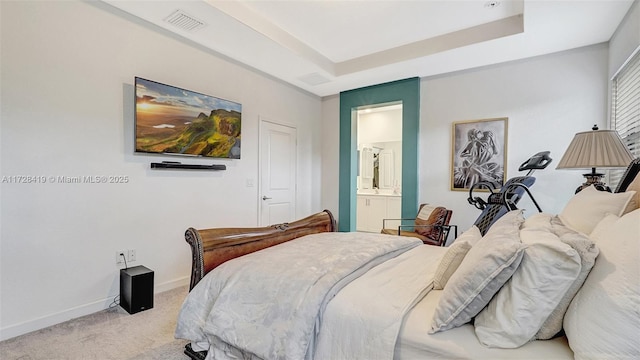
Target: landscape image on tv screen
<point>171,120</point>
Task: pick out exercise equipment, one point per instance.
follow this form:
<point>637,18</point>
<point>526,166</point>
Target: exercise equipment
<point>504,199</point>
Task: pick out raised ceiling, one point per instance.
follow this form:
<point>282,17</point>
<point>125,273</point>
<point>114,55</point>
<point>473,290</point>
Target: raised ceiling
<point>325,47</point>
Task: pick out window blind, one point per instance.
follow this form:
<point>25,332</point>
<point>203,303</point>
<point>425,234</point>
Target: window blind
<point>625,110</point>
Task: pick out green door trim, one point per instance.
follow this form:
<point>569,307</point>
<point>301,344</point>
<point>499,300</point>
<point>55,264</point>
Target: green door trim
<point>406,92</point>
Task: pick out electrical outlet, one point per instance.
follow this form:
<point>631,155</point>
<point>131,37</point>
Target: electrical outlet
<point>119,256</point>
<point>131,256</point>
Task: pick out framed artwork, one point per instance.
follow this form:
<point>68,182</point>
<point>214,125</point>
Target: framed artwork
<point>478,153</point>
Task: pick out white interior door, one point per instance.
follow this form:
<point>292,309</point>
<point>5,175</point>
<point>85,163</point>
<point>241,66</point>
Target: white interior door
<point>277,173</point>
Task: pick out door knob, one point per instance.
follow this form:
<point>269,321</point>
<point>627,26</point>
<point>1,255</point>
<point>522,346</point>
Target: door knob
<point>265,198</point>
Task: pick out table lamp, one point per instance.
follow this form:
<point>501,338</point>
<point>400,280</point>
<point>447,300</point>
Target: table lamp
<point>595,149</point>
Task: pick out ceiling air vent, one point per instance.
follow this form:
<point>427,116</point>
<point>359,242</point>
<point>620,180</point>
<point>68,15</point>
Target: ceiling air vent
<point>184,21</point>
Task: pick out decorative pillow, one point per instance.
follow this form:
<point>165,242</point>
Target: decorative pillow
<point>454,255</point>
<point>509,222</point>
<point>537,220</point>
<point>548,269</point>
<point>635,200</point>
<point>601,232</point>
<point>483,271</point>
<point>602,321</point>
<point>559,228</point>
<point>589,206</point>
<point>430,215</point>
<point>588,252</point>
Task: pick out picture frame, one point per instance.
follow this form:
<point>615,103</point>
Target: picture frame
<point>478,153</point>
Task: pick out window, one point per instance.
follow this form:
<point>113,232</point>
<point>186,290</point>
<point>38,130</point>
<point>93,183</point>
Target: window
<point>625,109</point>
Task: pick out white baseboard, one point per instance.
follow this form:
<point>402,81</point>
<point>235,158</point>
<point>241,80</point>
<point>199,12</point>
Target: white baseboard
<point>172,284</point>
<point>75,312</point>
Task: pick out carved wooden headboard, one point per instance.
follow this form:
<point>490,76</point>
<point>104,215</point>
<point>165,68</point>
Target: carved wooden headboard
<point>212,247</point>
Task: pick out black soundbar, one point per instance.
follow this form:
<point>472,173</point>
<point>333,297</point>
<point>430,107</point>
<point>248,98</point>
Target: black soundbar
<point>178,165</point>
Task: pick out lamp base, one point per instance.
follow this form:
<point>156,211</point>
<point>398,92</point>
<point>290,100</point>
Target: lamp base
<point>595,179</point>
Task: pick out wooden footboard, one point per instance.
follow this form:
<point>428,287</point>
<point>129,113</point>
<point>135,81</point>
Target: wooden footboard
<point>212,247</point>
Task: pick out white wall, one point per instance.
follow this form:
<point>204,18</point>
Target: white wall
<point>67,70</point>
<point>380,126</point>
<point>626,39</point>
<point>547,100</point>
<point>330,153</point>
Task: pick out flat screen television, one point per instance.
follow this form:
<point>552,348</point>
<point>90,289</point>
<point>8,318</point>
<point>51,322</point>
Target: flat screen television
<point>174,121</point>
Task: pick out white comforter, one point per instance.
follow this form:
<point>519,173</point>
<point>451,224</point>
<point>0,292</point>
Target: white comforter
<point>270,303</point>
<point>363,320</point>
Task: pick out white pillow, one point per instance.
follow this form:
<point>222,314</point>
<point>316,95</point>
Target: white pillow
<point>602,321</point>
<point>454,255</point>
<point>635,200</point>
<point>509,222</point>
<point>585,210</point>
<point>588,252</point>
<point>472,236</point>
<point>548,269</point>
<point>483,271</point>
<point>537,220</point>
<point>601,231</point>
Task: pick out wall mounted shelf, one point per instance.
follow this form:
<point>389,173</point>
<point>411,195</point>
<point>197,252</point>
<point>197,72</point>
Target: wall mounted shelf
<point>178,165</point>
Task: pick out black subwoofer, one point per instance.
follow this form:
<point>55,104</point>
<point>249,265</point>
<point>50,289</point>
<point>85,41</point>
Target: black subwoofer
<point>136,289</point>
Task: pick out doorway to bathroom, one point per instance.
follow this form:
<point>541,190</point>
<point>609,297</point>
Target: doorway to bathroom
<point>379,179</point>
<point>405,93</point>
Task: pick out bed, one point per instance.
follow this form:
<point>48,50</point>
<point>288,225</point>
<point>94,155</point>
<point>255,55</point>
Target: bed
<point>559,286</point>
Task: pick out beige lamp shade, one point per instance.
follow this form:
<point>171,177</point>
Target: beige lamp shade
<point>595,149</point>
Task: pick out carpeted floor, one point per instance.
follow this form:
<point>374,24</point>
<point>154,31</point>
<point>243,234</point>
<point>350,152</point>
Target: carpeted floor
<point>108,334</point>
